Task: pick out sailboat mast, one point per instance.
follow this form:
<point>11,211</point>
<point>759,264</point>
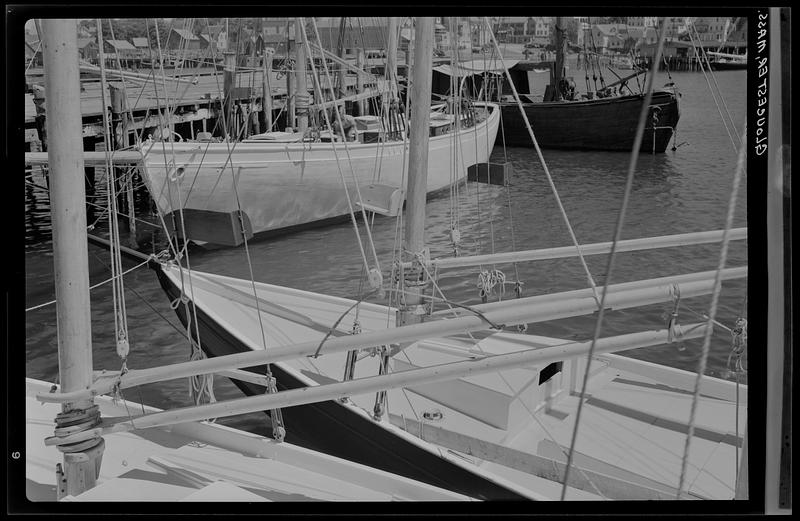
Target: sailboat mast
<point>340,54</point>
<point>391,57</point>
<point>416,194</point>
<point>301,94</point>
<point>266,89</point>
<point>558,72</point>
<point>70,251</point>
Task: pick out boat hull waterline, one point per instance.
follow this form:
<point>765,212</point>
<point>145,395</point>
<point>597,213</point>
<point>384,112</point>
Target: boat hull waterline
<point>285,185</point>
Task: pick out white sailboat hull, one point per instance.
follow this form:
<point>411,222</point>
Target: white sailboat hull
<point>201,461</point>
<point>510,427</point>
<point>283,185</point>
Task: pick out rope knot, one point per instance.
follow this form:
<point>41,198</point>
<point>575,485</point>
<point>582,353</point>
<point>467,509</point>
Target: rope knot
<point>182,299</point>
<point>738,345</point>
<point>739,334</point>
<point>376,281</point>
<point>487,280</point>
<point>672,321</point>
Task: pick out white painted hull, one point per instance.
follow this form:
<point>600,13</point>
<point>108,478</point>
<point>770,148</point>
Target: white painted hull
<point>509,427</point>
<point>226,464</point>
<point>281,185</point>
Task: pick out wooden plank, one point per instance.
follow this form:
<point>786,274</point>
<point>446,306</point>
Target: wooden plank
<point>678,378</point>
<point>547,468</point>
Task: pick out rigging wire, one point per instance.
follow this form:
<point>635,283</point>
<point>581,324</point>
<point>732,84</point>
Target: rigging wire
<point>610,263</point>
<point>547,172</point>
<point>712,312</point>
<point>339,118</point>
<point>199,385</point>
<point>714,77</point>
<point>118,288</point>
<point>714,97</point>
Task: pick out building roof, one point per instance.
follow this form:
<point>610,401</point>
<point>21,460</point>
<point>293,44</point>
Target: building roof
<point>369,37</point>
<point>141,42</point>
<point>121,45</point>
<point>609,29</point>
<point>185,34</point>
<point>513,20</point>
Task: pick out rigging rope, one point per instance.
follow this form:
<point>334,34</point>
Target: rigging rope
<point>199,382</point>
<point>547,171</point>
<point>704,54</point>
<point>714,97</point>
<point>118,288</point>
<point>339,118</point>
<point>713,311</point>
<point>610,263</point>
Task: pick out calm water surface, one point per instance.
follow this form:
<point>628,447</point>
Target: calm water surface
<point>680,191</point>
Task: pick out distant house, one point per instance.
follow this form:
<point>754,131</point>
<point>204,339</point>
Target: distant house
<point>252,43</point>
<point>182,39</point>
<point>215,37</point>
<point>88,49</point>
<point>512,29</point>
<point>608,37</point>
<point>123,49</point>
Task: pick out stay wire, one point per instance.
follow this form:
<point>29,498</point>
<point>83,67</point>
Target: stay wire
<point>713,311</point>
<point>610,263</point>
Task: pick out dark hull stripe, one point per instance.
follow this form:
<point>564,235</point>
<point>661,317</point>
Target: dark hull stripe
<point>332,428</point>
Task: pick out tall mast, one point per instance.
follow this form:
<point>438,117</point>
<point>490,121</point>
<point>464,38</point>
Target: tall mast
<point>301,93</point>
<point>266,89</point>
<point>340,54</point>
<point>290,104</point>
<point>391,57</point>
<point>558,72</point>
<point>70,249</point>
<point>418,164</point>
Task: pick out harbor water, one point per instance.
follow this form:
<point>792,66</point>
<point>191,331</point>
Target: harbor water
<point>680,191</point>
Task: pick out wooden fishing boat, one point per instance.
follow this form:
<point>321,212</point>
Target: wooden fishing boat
<point>562,119</point>
<point>596,124</point>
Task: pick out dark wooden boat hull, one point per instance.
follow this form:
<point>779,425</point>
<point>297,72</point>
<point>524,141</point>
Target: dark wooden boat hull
<point>728,66</point>
<point>601,124</point>
<point>335,429</point>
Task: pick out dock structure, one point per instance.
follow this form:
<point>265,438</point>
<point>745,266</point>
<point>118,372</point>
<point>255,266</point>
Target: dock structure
<point>194,102</point>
